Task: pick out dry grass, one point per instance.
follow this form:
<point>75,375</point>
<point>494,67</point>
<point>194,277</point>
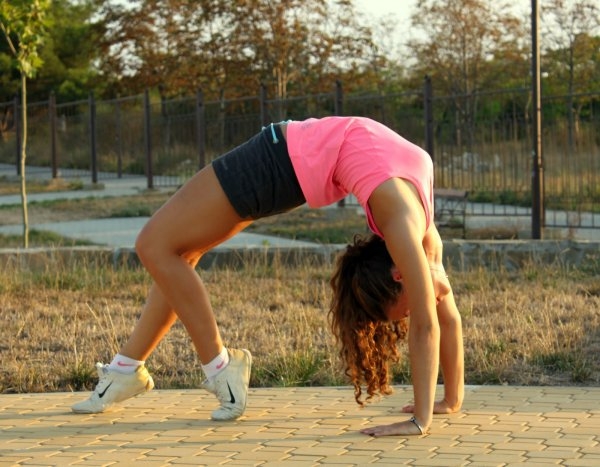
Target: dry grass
<point>538,326</point>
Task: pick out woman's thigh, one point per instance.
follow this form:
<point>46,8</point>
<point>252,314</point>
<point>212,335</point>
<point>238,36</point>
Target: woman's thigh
<point>195,219</point>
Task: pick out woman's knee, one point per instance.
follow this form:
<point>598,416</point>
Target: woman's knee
<point>148,246</point>
<point>151,246</point>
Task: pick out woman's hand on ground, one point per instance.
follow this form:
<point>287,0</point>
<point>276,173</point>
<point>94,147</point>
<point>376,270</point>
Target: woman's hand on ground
<point>439,407</point>
<point>401,428</point>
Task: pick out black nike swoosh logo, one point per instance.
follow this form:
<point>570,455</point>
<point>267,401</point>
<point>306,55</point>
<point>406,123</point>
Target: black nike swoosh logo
<point>231,394</point>
<point>101,394</point>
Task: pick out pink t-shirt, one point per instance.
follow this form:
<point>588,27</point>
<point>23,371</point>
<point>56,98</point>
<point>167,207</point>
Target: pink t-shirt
<point>335,156</point>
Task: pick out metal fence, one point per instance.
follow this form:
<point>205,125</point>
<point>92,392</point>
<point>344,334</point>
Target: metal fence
<point>479,142</point>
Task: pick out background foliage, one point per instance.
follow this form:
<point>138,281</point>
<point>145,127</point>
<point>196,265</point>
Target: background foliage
<point>297,47</point>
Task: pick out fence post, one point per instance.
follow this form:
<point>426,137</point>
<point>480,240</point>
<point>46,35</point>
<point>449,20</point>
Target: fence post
<point>537,176</point>
<point>17,118</point>
<point>93,149</point>
<point>428,107</point>
<point>53,151</point>
<point>339,98</point>
<point>264,106</point>
<point>339,110</point>
<point>200,129</point>
<point>148,140</point>
<point>119,133</point>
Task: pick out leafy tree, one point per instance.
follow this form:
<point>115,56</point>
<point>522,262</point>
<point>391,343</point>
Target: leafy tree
<point>572,53</point>
<point>179,46</point>
<point>164,44</point>
<point>68,54</point>
<point>467,46</point>
<point>23,23</point>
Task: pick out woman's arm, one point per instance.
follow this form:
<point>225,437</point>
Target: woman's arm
<point>451,358</point>
<point>398,213</point>
<point>451,339</point>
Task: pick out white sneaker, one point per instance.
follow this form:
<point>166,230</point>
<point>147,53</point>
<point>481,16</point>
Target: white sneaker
<point>114,387</point>
<point>231,386</point>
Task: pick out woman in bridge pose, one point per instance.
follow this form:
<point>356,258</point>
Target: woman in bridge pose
<point>376,282</point>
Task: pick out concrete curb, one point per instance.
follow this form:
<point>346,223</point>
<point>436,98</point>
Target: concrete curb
<point>458,255</point>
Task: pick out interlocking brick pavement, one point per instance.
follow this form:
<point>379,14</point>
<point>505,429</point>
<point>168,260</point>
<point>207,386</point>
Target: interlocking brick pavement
<point>500,425</point>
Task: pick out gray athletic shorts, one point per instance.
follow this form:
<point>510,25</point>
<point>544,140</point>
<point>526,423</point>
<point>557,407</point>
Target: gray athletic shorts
<point>258,176</point>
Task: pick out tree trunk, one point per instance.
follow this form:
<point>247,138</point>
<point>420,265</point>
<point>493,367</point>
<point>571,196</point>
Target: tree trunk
<point>23,157</point>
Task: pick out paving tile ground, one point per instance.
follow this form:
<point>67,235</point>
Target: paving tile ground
<point>499,426</point>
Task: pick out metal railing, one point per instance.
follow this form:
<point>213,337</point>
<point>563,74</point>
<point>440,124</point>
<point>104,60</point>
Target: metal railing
<point>480,142</point>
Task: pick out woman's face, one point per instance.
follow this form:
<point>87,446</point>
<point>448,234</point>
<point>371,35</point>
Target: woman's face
<point>398,309</point>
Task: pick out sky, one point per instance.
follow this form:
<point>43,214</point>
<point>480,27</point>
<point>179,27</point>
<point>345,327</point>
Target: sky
<point>399,10</point>
<point>378,8</point>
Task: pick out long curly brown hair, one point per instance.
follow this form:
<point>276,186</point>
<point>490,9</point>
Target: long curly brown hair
<point>363,287</point>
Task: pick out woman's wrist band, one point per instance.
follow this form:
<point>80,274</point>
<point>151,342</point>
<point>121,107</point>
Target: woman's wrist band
<point>414,420</point>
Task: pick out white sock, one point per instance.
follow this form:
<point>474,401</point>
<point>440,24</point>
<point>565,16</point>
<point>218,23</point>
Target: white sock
<point>217,364</point>
<point>124,364</point>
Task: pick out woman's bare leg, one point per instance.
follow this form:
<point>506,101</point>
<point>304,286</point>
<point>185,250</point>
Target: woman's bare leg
<point>155,321</point>
<point>197,218</point>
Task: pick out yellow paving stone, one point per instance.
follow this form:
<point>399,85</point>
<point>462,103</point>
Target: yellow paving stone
<point>474,447</point>
<point>292,463</point>
<point>278,426</point>
<point>150,462</point>
<point>585,462</point>
<point>203,460</point>
<point>244,463</point>
<point>483,438</point>
<point>542,463</point>
<point>63,459</point>
<point>325,451</point>
<point>443,460</point>
<point>190,462</point>
<point>91,463</point>
<point>504,428</point>
<point>569,441</point>
<point>549,425</point>
<point>460,449</point>
<point>117,455</point>
<point>593,450</point>
<point>171,427</point>
<point>290,442</point>
<point>259,455</point>
<point>306,459</point>
<point>499,459</point>
<point>343,462</point>
<point>389,463</point>
<point>458,430</point>
<point>261,436</point>
<point>317,431</point>
<point>554,454</point>
<point>530,437</point>
<point>404,457</point>
<point>516,417</point>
